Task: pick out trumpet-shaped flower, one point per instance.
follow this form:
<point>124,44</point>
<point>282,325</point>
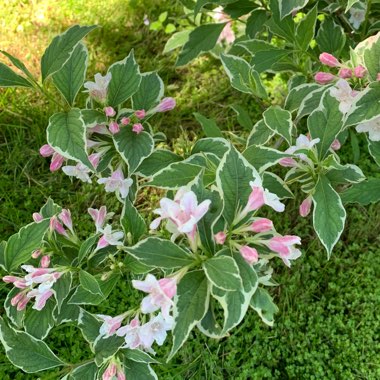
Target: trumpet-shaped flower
<point>183,212</point>
<point>155,330</point>
<point>131,334</point>
<point>79,171</point>
<point>285,247</point>
<point>110,237</point>
<point>372,127</point>
<point>110,324</point>
<point>117,183</point>
<point>160,295</point>
<point>100,217</point>
<point>344,94</point>
<point>98,89</point>
<point>357,15</point>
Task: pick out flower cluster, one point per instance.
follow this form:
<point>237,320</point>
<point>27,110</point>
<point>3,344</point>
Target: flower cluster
<point>139,335</point>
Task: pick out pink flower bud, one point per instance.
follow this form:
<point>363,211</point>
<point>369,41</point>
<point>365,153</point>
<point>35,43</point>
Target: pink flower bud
<point>166,104</point>
<point>45,261</point>
<point>114,127</point>
<point>56,226</point>
<point>335,145</point>
<point>37,217</point>
<point>120,375</point>
<point>329,60</point>
<point>137,128</point>
<point>65,217</point>
<point>110,372</point>
<point>125,120</point>
<point>168,286</point>
<point>17,298</point>
<point>256,199</point>
<point>94,158</point>
<point>323,78</point>
<point>140,114</point>
<point>20,284</point>
<point>109,111</point>
<point>22,304</point>
<point>360,71</point>
<point>345,73</point>
<point>56,162</point>
<point>36,254</point>
<point>305,207</point>
<point>378,76</point>
<point>46,150</point>
<point>262,225</point>
<point>249,254</point>
<point>288,162</point>
<point>10,279</point>
<point>220,237</point>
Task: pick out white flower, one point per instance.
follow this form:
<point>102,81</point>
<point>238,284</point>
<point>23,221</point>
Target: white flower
<point>98,89</point>
<point>117,183</point>
<point>110,237</point>
<point>372,127</point>
<point>357,13</point>
<point>344,94</point>
<point>155,330</point>
<point>79,171</point>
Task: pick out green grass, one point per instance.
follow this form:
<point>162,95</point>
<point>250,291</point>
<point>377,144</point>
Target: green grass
<point>328,326</point>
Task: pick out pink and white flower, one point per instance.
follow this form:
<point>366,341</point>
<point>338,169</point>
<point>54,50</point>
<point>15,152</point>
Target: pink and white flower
<point>98,89</point>
<point>79,171</point>
<point>183,213</point>
<point>220,237</point>
<point>372,127</point>
<point>160,295</point>
<point>285,247</point>
<point>344,94</point>
<point>56,226</point>
<point>166,104</point>
<point>156,330</point>
<point>117,183</point>
<point>262,225</point>
<point>100,217</point>
<point>110,372</point>
<point>110,237</point>
<point>305,206</point>
<point>65,216</point>
<point>110,324</point>
<point>131,334</point>
<point>249,254</point>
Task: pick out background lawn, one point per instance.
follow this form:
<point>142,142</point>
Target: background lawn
<point>328,326</point>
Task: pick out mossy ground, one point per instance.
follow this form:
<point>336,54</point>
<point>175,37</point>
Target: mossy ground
<point>328,326</point>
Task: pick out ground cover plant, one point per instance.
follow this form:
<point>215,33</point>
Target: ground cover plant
<point>215,254</point>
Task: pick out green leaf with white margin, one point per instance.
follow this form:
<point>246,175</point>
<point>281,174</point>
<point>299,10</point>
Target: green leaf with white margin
<point>82,296</point>
<point>16,317</point>
<point>262,157</point>
<point>350,3</point>
<point>279,121</point>
<point>263,304</point>
<point>138,356</point>
<point>233,176</point>
<point>266,60</point>
<point>50,209</point>
<point>281,26</point>
<point>133,147</point>
<point>70,78</point>
<point>235,303</point>
<point>18,64</point>
<point>311,101</point>
<point>243,117</point>
<point>287,7</point>
<point>175,176</point>
<point>93,117</point>
<point>132,222</point>
<point>329,214</point>
<point>89,325</point>
<point>106,347</point>
<point>150,91</point>
<point>66,133</point>
<point>177,40</point>
<point>306,28</point>
<point>87,247</point>
<point>8,78</point>
<point>190,306</point>
<point>330,37</point>
<point>38,323</point>
<point>372,57</point>
<point>209,325</point>
<point>160,253</point>
<point>86,371</point>
<point>138,371</point>
<point>255,22</point>
<point>157,161</point>
<point>344,174</point>
<point>209,126</point>
<point>260,134</point>
<point>223,273</point>
<point>90,283</point>
<point>125,80</point>
<point>60,49</point>
<point>364,193</point>
<point>21,245</point>
<point>374,150</point>
<point>201,39</point>
<point>276,185</point>
<point>297,95</point>
<point>68,313</point>
<point>366,106</point>
<point>26,352</point>
<point>3,244</point>
<point>325,123</point>
<point>238,71</point>
<point>62,289</point>
<point>215,145</point>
